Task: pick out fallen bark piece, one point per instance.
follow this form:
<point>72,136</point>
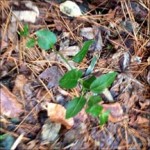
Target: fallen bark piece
<point>10,106</point>
<point>116,112</point>
<point>57,114</point>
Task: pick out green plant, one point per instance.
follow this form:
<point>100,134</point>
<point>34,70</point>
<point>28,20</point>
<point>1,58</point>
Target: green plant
<point>90,84</point>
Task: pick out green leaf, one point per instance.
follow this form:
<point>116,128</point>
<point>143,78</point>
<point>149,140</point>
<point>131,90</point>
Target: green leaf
<point>25,31</point>
<point>31,42</point>
<point>81,54</point>
<point>103,82</point>
<point>75,106</point>
<point>70,79</point>
<point>88,82</point>
<point>94,100</point>
<point>95,110</point>
<point>3,137</point>
<point>92,65</point>
<point>6,142</point>
<point>46,39</point>
<point>103,118</point>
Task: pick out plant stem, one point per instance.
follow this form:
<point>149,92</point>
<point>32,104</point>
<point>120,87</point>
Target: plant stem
<point>66,61</point>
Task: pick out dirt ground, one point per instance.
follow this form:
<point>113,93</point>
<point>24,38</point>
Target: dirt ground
<point>32,102</point>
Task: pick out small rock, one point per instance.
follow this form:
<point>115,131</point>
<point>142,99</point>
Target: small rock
<point>50,131</point>
<point>70,8</point>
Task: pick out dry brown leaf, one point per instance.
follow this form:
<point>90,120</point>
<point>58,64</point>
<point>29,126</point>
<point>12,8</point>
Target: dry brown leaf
<point>52,76</point>
<point>57,114</point>
<point>141,120</point>
<point>20,81</point>
<point>116,112</point>
<point>10,106</point>
<point>145,104</point>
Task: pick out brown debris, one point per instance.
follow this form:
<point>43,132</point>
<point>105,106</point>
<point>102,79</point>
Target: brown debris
<point>57,114</point>
<point>20,82</point>
<point>116,112</point>
<point>10,106</point>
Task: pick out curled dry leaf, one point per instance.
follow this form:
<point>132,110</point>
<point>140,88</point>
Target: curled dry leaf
<point>57,114</point>
<point>10,106</point>
<point>116,112</point>
<point>99,41</point>
<point>124,61</point>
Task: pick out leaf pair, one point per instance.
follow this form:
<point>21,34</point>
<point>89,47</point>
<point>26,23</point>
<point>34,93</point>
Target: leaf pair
<point>45,38</point>
<point>96,85</point>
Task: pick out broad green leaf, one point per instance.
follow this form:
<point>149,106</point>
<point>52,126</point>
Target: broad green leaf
<point>103,82</point>
<point>70,79</point>
<point>95,110</point>
<point>88,82</point>
<point>94,100</point>
<point>31,42</point>
<point>81,54</point>
<point>46,39</point>
<point>25,31</point>
<point>75,106</point>
<point>104,117</point>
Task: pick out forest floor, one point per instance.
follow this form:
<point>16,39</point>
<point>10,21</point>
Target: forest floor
<point>33,104</point>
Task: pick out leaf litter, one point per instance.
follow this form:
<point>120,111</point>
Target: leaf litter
<point>30,76</point>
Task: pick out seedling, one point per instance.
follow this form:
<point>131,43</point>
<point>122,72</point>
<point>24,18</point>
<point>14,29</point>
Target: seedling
<point>46,40</point>
<point>95,85</point>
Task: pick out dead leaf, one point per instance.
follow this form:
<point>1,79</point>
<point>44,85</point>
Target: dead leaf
<point>29,14</point>
<point>87,33</point>
<point>10,106</point>
<point>20,82</point>
<point>4,44</point>
<point>116,112</point>
<point>145,104</point>
<point>52,76</point>
<point>99,42</point>
<point>71,50</point>
<point>57,114</point>
<point>124,61</point>
<point>141,120</point>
